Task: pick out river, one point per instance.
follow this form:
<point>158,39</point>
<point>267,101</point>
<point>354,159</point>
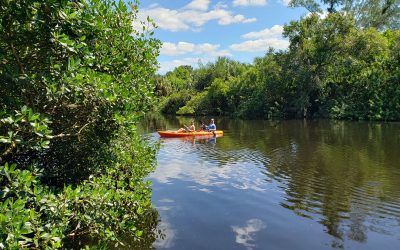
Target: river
<point>292,184</point>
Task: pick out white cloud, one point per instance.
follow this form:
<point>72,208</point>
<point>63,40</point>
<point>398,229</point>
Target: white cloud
<point>249,2</point>
<point>260,45</point>
<point>262,40</point>
<point>276,31</point>
<point>166,66</point>
<point>181,48</point>
<point>285,2</point>
<point>198,5</point>
<point>192,16</point>
<point>204,52</point>
<point>176,49</point>
<point>250,20</point>
<point>194,61</point>
<point>204,174</point>
<point>169,18</point>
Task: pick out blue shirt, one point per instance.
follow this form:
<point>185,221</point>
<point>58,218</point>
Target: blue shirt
<point>212,127</point>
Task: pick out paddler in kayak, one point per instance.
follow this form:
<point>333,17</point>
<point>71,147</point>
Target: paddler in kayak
<point>203,127</point>
<point>191,128</point>
<point>212,126</point>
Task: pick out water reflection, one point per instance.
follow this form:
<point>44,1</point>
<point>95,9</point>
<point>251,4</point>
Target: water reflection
<point>198,162</point>
<point>338,182</point>
<point>245,234</point>
<point>207,139</point>
<point>148,223</point>
<point>165,207</point>
<point>337,179</point>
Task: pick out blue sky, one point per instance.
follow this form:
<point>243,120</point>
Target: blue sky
<point>202,30</point>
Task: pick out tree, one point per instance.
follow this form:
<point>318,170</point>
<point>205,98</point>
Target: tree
<point>180,78</point>
<point>380,14</point>
<point>74,77</point>
<point>314,7</point>
<point>314,44</point>
<point>332,69</point>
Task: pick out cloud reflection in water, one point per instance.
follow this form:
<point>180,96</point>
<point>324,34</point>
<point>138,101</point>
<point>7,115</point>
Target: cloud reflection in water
<point>164,227</point>
<point>209,167</point>
<point>245,234</point>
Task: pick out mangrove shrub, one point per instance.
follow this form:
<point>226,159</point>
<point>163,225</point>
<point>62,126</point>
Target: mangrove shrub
<point>74,78</point>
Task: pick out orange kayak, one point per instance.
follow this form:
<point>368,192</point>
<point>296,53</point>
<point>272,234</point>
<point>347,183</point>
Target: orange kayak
<point>184,134</point>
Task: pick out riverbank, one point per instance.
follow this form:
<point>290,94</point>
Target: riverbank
<point>332,69</point>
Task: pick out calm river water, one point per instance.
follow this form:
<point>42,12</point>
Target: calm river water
<point>279,185</point>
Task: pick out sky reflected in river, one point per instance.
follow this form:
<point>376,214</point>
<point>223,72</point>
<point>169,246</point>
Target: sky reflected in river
<point>280,185</point>
<point>245,234</point>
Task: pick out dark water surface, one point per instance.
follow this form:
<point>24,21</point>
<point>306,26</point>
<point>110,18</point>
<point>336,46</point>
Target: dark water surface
<point>279,185</point>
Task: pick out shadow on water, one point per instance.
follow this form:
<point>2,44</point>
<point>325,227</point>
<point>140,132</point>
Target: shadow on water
<point>343,176</point>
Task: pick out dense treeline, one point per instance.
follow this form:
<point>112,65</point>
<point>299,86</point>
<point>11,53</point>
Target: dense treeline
<point>74,78</point>
<point>333,68</point>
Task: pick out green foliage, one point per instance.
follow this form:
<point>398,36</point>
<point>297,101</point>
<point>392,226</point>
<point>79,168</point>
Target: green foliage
<point>332,69</point>
<point>213,100</point>
<point>216,99</point>
<point>197,105</point>
<point>25,130</point>
<point>224,68</point>
<point>313,6</point>
<point>366,88</point>
<point>180,78</point>
<point>379,14</point>
<point>212,83</point>
<point>75,77</point>
<point>175,101</point>
<point>30,215</point>
<point>314,44</point>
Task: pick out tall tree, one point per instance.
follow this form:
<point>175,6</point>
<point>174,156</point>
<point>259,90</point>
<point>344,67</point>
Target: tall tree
<point>380,14</point>
<point>314,6</point>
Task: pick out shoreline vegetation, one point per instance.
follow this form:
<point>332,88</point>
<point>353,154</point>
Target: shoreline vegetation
<point>74,79</point>
<point>336,67</point>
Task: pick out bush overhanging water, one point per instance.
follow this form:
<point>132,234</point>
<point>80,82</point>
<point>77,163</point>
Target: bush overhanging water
<point>74,78</point>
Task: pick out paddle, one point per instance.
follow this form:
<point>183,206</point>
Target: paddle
<point>187,128</point>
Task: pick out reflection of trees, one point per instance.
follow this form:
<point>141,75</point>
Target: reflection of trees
<point>331,170</point>
<point>153,122</point>
<point>148,224</point>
